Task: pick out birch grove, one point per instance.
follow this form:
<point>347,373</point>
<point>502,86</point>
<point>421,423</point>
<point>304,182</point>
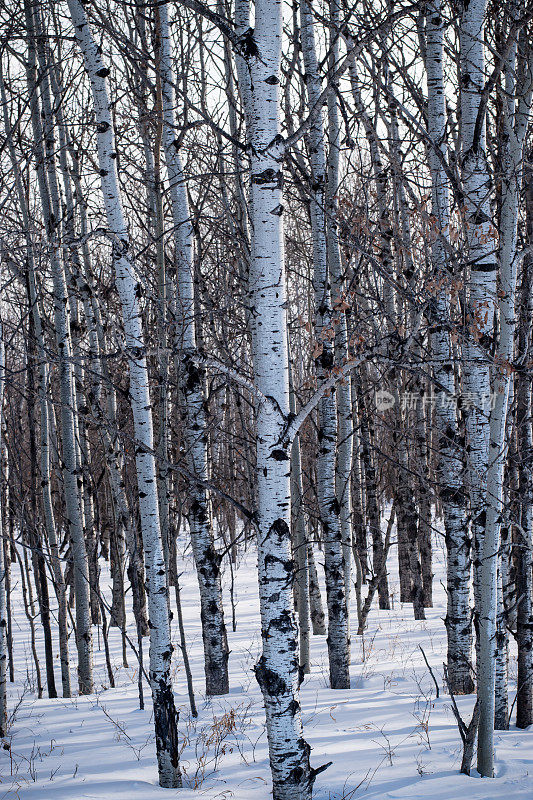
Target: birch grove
<point>267,285</point>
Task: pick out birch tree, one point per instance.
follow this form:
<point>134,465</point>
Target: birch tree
<point>523,534</point>
<point>516,110</point>
<point>277,669</point>
<point>165,715</point>
<point>44,461</point>
<point>450,458</point>
<point>191,381</point>
<point>330,518</point>
<point>51,208</point>
<point>3,568</point>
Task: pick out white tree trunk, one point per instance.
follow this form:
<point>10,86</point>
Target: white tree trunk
<point>192,381</point>
<point>128,286</point>
<point>338,632</point>
<point>516,110</point>
<point>480,266</point>
<point>450,458</point>
<point>343,484</point>
<point>277,669</point>
<point>51,207</point>
<point>48,511</point>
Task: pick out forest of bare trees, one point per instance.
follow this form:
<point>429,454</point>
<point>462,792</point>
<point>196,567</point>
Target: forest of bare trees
<point>267,293</point>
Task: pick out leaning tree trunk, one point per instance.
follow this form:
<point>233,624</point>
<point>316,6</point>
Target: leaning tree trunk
<point>128,286</point>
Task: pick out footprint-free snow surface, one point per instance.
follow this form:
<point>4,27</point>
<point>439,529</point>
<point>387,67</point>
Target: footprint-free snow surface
<point>388,736</point>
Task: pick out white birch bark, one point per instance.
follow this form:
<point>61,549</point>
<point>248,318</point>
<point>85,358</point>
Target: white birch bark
<point>338,632</point>
<point>501,637</point>
<point>162,316</point>
<point>450,471</point>
<point>277,669</point>
<point>48,511</point>
<point>165,715</point>
<point>480,266</point>
<point>191,379</point>
<point>516,111</point>
<point>343,487</point>
<point>48,190</point>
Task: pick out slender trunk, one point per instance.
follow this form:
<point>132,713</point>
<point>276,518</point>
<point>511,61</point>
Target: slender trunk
<point>165,714</point>
<point>329,509</point>
<point>175,581</point>
<point>29,610</point>
<point>39,565</point>
<point>372,506</point>
<point>450,470</point>
<point>343,473</point>
<point>316,608</point>
<point>516,109</point>
<point>523,534</point>
<point>501,669</point>
<point>50,203</point>
<point>3,566</point>
<point>365,607</point>
<point>300,544</point>
<point>359,531</point>
<point>277,669</point>
<point>191,381</point>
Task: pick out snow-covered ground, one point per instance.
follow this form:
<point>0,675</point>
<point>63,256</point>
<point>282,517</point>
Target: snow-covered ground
<point>388,737</point>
